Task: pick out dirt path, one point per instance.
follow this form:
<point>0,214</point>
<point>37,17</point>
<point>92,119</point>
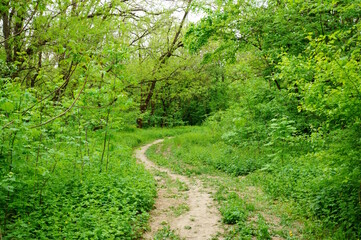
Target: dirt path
<point>183,204</point>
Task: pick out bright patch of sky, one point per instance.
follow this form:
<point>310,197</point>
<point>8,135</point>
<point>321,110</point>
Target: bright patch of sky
<point>179,6</point>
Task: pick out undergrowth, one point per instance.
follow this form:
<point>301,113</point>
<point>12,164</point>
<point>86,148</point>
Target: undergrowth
<point>316,176</point>
<point>67,191</point>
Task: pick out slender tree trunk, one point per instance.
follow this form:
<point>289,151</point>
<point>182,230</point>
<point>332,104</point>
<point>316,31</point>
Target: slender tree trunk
<point>106,168</point>
<point>6,33</point>
<point>11,151</point>
<point>2,144</point>
<point>277,84</point>
<point>140,118</point>
<point>86,150</point>
<point>17,39</point>
<point>66,77</point>
<point>105,141</point>
<point>33,80</point>
<point>38,150</point>
<point>37,159</point>
<point>86,141</point>
<point>79,132</point>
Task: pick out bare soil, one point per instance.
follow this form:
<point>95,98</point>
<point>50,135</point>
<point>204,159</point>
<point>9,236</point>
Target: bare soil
<point>183,204</point>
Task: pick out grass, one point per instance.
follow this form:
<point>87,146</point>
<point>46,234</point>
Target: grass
<point>246,208</point>
<point>166,233</point>
<point>180,209</point>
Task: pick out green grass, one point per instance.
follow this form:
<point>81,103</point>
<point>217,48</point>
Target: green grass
<point>260,195</point>
<point>166,233</point>
<point>180,209</point>
<point>202,151</point>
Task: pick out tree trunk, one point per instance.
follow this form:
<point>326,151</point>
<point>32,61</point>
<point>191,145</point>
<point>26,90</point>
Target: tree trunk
<point>105,141</point>
<point>17,39</point>
<point>162,60</point>
<point>6,33</point>
<point>66,77</point>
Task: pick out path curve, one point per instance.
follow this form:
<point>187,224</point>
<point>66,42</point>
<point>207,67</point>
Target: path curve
<point>202,221</point>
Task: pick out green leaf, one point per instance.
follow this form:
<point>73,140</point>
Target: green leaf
<point>8,107</point>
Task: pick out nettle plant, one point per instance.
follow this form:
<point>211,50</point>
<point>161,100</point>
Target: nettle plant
<point>281,137</point>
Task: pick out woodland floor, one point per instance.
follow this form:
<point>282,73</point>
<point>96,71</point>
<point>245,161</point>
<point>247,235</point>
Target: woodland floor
<point>183,205</point>
<point>186,209</point>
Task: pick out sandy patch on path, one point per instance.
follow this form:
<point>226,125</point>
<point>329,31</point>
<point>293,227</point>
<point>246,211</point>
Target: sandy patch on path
<point>202,218</point>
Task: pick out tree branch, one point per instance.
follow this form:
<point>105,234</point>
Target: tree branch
<point>67,110</point>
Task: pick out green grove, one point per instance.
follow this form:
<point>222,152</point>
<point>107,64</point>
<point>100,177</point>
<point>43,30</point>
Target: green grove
<point>275,85</point>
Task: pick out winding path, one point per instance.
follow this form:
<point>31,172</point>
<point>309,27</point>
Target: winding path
<point>200,219</point>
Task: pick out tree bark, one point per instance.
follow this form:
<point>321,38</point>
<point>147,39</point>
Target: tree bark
<point>66,77</point>
<point>6,33</point>
<point>17,40</point>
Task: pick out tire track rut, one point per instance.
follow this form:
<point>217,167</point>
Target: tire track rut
<point>201,221</point>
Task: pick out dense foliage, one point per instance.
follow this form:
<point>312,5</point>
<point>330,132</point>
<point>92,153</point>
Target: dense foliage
<point>68,107</point>
<point>278,83</point>
<point>296,112</point>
